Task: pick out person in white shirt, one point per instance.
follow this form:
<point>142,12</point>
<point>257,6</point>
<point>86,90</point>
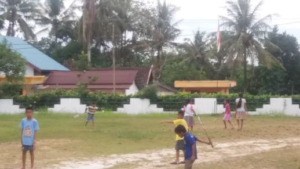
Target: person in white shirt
<point>241,111</point>
<point>189,113</point>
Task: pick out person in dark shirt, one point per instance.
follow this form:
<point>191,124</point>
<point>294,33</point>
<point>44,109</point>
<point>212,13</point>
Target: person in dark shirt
<point>190,145</point>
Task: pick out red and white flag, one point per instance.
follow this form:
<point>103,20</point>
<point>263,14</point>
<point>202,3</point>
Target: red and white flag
<point>219,38</point>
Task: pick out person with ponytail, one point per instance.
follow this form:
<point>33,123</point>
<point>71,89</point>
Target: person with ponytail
<point>241,111</point>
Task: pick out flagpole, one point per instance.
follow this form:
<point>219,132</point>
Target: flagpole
<point>219,38</point>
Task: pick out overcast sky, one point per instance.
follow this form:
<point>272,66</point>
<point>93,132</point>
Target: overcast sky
<point>203,15</point>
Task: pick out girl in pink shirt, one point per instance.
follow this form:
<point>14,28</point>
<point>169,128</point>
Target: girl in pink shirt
<point>227,115</point>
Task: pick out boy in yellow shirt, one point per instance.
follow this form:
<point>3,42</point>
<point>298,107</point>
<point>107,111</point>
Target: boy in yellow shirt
<point>179,141</point>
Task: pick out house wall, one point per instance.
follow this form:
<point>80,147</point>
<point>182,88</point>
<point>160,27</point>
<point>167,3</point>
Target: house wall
<point>7,107</point>
<point>140,106</point>
<point>29,71</point>
<point>68,105</point>
<point>132,90</point>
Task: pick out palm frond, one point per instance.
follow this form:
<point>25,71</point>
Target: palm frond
<point>262,23</point>
<point>265,58</point>
<point>252,16</point>
<point>43,30</point>
<point>26,29</point>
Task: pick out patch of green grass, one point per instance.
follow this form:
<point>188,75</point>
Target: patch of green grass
<point>121,133</point>
<point>114,133</point>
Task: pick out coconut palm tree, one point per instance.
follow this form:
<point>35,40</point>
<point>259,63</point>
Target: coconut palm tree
<point>163,35</point>
<point>18,13</point>
<point>56,19</point>
<point>197,52</point>
<point>249,32</point>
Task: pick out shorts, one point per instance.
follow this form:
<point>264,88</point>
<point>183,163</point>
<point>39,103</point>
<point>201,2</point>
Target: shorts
<point>26,148</point>
<point>179,145</point>
<point>90,117</point>
<point>189,120</point>
<point>188,164</point>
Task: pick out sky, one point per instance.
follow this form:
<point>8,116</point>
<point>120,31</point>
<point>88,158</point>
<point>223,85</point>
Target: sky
<point>203,15</point>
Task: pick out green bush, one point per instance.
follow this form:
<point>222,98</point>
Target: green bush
<point>44,99</point>
<point>8,90</point>
<point>148,93</point>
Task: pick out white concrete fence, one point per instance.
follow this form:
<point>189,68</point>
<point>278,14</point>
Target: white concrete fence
<point>143,106</point>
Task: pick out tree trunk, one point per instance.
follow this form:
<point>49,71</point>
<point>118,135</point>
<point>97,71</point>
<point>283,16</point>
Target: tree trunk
<point>245,71</point>
<point>89,57</point>
<point>10,30</point>
<point>156,68</point>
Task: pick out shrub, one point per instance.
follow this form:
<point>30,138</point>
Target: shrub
<point>43,99</point>
<point>148,93</point>
<point>8,90</point>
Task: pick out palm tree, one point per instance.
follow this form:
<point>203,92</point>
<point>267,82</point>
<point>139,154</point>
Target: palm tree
<point>163,35</point>
<point>18,12</point>
<point>87,23</point>
<point>56,19</point>
<point>248,35</point>
<point>197,52</point>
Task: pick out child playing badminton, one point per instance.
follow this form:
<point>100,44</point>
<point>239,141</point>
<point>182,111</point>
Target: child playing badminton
<point>190,152</point>
<point>179,146</point>
<point>227,115</point>
<point>91,110</point>
<point>29,127</point>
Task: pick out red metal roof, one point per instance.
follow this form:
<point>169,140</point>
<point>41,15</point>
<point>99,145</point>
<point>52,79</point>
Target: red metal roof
<point>92,87</point>
<point>95,77</point>
<point>145,73</point>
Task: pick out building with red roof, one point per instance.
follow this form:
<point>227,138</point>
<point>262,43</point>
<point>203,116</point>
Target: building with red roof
<point>128,80</point>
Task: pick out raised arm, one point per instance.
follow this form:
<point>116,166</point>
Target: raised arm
<point>167,122</point>
<point>202,141</point>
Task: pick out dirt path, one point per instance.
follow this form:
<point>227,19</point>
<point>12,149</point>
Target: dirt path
<point>160,159</point>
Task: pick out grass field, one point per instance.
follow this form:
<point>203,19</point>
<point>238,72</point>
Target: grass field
<point>64,138</point>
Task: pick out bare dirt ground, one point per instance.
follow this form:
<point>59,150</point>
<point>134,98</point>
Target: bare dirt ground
<point>161,159</point>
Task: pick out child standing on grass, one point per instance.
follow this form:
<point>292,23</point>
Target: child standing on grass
<point>227,115</point>
<point>190,146</point>
<point>179,146</point>
<point>29,127</point>
<point>241,111</point>
<point>189,114</point>
<point>91,110</point>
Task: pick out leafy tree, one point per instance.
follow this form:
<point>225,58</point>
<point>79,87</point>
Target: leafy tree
<point>11,63</point>
<point>82,63</point>
<point>268,81</point>
<point>289,55</point>
<point>55,18</point>
<point>248,35</point>
<point>180,71</point>
<point>18,12</point>
<point>9,90</point>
